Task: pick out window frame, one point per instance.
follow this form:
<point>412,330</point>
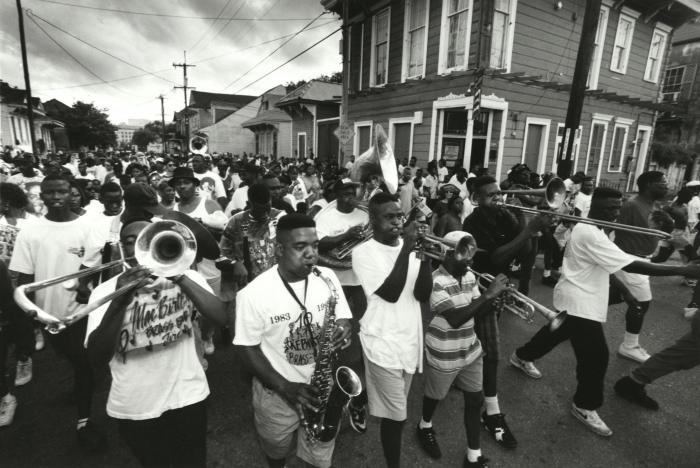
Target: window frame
<point>406,55</point>
<point>542,157</point>
<point>392,131</point>
<point>618,124</point>
<point>663,31</point>
<point>597,59</point>
<point>510,36</point>
<point>373,51</point>
<point>356,138</point>
<point>675,94</point>
<point>598,119</point>
<point>626,14</point>
<point>444,37</point>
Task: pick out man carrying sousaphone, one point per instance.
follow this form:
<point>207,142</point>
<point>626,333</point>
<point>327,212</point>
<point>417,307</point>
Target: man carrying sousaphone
<point>159,389</point>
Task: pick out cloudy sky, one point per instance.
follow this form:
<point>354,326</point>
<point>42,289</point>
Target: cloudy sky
<point>138,50</point>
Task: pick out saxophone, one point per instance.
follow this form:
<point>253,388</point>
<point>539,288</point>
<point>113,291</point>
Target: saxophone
<point>336,384</point>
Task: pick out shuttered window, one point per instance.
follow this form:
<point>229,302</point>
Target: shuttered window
<point>502,37</point>
<point>623,40</point>
<point>454,35</point>
<point>656,55</point>
<point>598,45</point>
<point>415,28</point>
<point>380,49</point>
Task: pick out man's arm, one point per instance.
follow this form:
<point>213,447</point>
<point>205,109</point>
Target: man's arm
<point>393,285</point>
<point>204,301</point>
<point>480,306</point>
<point>330,242</point>
<point>503,255</point>
<point>655,269</point>
<point>424,281</point>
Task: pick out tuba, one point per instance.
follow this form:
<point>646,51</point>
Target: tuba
<point>378,159</point>
<point>199,144</point>
<point>336,384</point>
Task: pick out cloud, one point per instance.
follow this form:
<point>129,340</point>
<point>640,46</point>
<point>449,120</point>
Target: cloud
<point>154,43</point>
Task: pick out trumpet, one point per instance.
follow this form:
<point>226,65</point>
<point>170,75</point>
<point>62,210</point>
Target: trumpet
<point>167,247</point>
<point>521,305</point>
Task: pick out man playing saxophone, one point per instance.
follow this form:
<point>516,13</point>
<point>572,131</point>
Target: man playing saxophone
<point>279,320</point>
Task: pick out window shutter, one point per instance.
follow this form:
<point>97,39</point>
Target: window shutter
<point>486,27</point>
<point>687,81</point>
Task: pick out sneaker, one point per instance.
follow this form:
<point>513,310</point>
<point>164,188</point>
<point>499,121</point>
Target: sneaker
<point>635,392</point>
<point>480,462</point>
<point>690,310</point>
<point>38,339</point>
<point>427,440</point>
<point>358,418</point>
<point>209,347</point>
<point>635,353</point>
<point>499,430</point>
<point>8,405</point>
<point>591,419</point>
<point>24,372</point>
<point>528,367</point>
<point>90,439</point>
<point>549,281</point>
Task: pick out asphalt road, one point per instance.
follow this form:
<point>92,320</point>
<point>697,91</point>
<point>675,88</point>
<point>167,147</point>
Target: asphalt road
<point>538,411</point>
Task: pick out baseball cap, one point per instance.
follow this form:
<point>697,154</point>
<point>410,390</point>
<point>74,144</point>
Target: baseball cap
<point>144,197</point>
<point>465,245</point>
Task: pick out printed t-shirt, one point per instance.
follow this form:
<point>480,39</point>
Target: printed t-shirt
<point>332,223</point>
<point>213,188</point>
<point>267,315</point>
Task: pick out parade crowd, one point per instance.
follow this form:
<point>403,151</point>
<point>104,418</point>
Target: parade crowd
<point>301,242</point>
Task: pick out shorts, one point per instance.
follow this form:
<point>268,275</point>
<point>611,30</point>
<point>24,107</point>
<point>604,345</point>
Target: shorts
<point>637,284</point>
<point>278,424</point>
<point>387,391</point>
<point>486,329</point>
<point>437,383</point>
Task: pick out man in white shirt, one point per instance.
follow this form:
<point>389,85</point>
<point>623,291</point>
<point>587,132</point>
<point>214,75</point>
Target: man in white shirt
<point>582,291</point>
<point>350,163</point>
<point>582,201</point>
<point>201,171</point>
<point>693,204</point>
<point>395,282</point>
<point>459,180</point>
<point>27,172</point>
<point>280,317</point>
<point>442,171</point>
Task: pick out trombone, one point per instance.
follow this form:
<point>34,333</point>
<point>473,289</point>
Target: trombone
<point>555,196</point>
<point>167,247</point>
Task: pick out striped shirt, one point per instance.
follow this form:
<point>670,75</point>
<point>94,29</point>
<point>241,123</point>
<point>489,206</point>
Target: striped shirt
<point>450,349</point>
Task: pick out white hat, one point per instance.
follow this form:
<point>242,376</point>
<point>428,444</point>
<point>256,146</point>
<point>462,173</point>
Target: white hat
<point>463,241</point>
<point>693,183</point>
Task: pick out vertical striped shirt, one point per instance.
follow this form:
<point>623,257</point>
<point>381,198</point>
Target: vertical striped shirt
<point>447,348</point>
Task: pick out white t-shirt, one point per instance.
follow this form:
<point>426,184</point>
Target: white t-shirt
<point>156,368</point>
<point>590,258</point>
<point>239,199</point>
<point>442,173</point>
<point>583,203</point>
<point>463,192</point>
<point>391,333</point>
<point>215,192</point>
<point>693,211</point>
<point>267,315</point>
<point>102,229</point>
<point>331,223</point>
<point>48,249</point>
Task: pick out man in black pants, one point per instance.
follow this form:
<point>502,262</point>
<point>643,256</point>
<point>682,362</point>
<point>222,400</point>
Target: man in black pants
<point>582,291</point>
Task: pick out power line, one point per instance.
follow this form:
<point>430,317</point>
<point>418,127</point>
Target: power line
<point>271,53</point>
<point>166,15</point>
<point>285,63</point>
<point>221,12</point>
<point>29,12</point>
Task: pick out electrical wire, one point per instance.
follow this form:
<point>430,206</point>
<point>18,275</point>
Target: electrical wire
<point>166,15</point>
<point>271,53</point>
<point>221,12</point>
<point>291,59</point>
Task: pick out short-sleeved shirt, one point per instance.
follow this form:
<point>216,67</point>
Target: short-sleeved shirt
<point>590,258</point>
<point>391,333</point>
<point>213,192</point>
<point>582,202</point>
<point>332,222</point>
<point>267,315</point>
<point>491,230</point>
<point>635,212</point>
<point>447,348</point>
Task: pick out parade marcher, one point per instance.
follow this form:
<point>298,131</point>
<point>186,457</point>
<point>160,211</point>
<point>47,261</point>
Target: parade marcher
<point>450,220</point>
<point>277,192</point>
<point>27,173</point>
<point>582,291</point>
<point>395,282</point>
<point>201,171</point>
<point>280,316</point>
<point>452,350</point>
<point>158,391</point>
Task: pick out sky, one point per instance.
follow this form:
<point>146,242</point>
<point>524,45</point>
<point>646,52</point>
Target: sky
<point>139,50</point>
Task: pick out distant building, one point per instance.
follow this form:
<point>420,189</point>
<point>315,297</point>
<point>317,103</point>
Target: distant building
<point>205,109</point>
<point>271,127</point>
<point>125,133</point>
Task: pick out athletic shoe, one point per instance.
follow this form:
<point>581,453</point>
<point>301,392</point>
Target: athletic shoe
<point>38,339</point>
<point>690,310</point>
<point>549,281</point>
<point>8,405</point>
<point>591,419</point>
<point>209,347</point>
<point>24,372</point>
<point>496,425</point>
<point>357,418</point>
<point>528,367</point>
<point>90,439</point>
<point>635,392</point>
<point>427,440</point>
<point>480,462</point>
<point>635,353</point>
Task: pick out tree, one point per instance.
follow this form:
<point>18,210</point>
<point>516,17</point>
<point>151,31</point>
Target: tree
<point>336,77</point>
<point>88,126</point>
<point>142,137</point>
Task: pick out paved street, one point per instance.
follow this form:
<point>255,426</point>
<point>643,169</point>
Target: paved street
<point>538,411</point>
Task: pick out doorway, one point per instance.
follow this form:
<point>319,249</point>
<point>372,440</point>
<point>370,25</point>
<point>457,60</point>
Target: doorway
<point>535,143</point>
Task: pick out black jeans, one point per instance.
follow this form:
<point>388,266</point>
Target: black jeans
<point>177,438</point>
<point>591,352</point>
<point>70,344</point>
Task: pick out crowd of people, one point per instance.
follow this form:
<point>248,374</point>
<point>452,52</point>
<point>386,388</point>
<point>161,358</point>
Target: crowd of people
<point>304,247</point>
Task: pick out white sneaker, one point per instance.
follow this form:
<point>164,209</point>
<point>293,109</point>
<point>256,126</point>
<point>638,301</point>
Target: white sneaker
<point>209,347</point>
<point>528,367</point>
<point>38,339</point>
<point>690,310</point>
<point>8,405</point>
<point>591,419</point>
<point>24,372</point>
<point>635,353</point>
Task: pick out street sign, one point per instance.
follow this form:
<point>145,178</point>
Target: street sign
<point>345,133</point>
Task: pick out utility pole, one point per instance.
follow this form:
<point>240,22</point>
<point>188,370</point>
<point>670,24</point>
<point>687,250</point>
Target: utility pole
<point>162,120</point>
<point>27,84</point>
<point>346,77</point>
<point>184,88</point>
<point>578,87</point>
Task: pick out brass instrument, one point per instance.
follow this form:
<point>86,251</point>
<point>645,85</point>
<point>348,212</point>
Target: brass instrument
<point>168,248</point>
<point>378,159</point>
<point>199,144</point>
<point>336,387</point>
<point>555,196</point>
<point>340,257</point>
